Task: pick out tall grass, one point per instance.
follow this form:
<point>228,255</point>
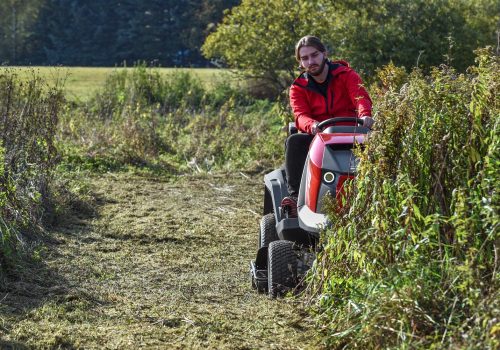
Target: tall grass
<point>172,123</point>
<point>29,113</point>
<point>413,260</point>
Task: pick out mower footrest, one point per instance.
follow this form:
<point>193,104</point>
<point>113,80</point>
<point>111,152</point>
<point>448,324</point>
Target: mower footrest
<point>259,276</point>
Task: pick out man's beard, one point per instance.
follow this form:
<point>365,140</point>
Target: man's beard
<point>320,69</point>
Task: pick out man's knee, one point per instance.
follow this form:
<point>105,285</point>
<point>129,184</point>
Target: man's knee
<point>298,141</point>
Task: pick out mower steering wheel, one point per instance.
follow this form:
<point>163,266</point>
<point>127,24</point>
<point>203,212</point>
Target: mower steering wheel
<point>332,121</point>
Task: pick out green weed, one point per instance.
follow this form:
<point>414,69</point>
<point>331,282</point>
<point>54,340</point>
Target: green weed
<point>169,123</point>
<point>412,260</point>
<point>29,111</point>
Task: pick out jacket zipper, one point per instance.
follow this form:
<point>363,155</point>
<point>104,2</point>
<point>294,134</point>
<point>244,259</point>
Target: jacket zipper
<point>333,99</point>
<point>329,106</point>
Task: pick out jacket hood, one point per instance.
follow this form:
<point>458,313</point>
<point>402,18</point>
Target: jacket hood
<point>335,68</point>
<point>341,62</point>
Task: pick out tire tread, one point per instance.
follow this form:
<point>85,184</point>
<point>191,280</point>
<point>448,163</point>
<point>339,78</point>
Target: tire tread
<point>282,268</point>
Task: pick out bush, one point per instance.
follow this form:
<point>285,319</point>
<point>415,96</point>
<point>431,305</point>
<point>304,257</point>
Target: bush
<point>172,123</point>
<point>412,260</point>
<point>29,111</point>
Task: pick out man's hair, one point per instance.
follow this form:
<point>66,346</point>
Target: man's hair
<point>309,40</point>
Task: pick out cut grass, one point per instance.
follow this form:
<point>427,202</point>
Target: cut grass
<point>80,83</point>
<point>163,265</point>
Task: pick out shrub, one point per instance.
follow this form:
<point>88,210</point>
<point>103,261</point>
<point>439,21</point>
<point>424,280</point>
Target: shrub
<point>171,123</point>
<point>412,261</point>
<point>29,113</point>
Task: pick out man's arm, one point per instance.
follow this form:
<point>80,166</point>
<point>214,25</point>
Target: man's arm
<point>301,110</point>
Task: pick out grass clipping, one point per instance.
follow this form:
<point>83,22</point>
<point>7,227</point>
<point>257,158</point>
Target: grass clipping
<point>412,259</point>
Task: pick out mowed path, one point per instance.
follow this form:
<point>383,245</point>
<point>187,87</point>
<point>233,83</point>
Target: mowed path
<point>162,265</point>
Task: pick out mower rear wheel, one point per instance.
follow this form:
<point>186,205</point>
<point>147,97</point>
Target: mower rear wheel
<point>281,268</point>
<point>268,232</point>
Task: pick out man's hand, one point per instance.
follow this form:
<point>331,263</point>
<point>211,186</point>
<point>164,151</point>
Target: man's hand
<point>368,121</point>
<point>314,128</point>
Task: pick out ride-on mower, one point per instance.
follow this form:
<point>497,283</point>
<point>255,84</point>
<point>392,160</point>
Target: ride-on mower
<point>287,244</point>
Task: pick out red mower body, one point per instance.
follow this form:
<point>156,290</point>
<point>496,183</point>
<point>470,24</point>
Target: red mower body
<point>329,164</point>
<point>315,164</point>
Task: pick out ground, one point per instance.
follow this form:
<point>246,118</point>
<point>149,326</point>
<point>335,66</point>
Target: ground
<point>160,264</point>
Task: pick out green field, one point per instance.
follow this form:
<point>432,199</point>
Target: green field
<point>81,82</point>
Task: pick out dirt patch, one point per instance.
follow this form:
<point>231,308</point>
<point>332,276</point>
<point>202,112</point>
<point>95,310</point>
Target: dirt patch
<point>163,265</point>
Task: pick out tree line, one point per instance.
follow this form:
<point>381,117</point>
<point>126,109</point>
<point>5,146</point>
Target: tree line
<point>107,33</point>
<point>256,36</point>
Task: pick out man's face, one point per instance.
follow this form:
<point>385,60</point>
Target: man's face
<point>312,60</point>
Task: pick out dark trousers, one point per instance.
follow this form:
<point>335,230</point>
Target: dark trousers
<point>296,148</point>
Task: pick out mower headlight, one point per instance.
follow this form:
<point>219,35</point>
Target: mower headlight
<point>329,177</point>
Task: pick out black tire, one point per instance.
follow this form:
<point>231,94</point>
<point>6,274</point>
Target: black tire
<point>268,232</point>
<point>281,268</point>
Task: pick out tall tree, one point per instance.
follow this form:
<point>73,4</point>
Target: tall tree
<point>259,35</point>
<point>17,17</point>
<point>202,21</point>
<point>73,32</point>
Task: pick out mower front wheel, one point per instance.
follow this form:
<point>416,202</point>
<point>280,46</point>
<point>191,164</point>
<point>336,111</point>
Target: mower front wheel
<point>268,232</point>
<point>281,268</point>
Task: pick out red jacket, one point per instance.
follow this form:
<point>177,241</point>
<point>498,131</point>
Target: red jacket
<point>345,97</point>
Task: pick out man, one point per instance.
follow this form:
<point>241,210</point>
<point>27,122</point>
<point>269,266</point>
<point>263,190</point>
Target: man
<point>324,90</point>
